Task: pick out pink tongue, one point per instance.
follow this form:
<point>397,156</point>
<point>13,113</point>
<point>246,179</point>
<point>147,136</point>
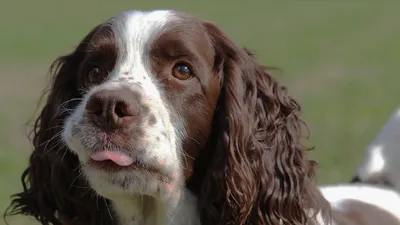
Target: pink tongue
<point>117,157</point>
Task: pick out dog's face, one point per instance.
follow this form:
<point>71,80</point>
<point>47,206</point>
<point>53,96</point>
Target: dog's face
<point>149,94</point>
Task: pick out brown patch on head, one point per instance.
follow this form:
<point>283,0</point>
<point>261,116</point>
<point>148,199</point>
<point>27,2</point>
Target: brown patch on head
<point>185,41</point>
<point>360,213</point>
<point>101,52</point>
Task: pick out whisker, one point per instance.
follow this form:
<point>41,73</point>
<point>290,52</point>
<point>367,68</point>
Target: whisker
<point>108,209</point>
<point>65,152</point>
<point>83,90</point>
<point>46,142</point>
<point>56,144</point>
<point>50,128</point>
<point>70,100</point>
<point>76,178</point>
<point>62,108</point>
<point>186,155</point>
<point>66,110</point>
<point>57,135</point>
<point>198,143</point>
<point>87,191</point>
<point>97,202</point>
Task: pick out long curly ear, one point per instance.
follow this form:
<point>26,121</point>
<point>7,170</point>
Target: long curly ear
<point>53,190</point>
<point>258,171</point>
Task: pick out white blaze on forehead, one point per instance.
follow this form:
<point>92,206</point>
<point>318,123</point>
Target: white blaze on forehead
<point>134,31</point>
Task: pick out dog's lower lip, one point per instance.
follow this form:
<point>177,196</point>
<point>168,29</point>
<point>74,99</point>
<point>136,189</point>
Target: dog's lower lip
<point>110,166</point>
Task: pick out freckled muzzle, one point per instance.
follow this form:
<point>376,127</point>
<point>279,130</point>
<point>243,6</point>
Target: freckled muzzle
<point>114,113</point>
<point>124,134</point>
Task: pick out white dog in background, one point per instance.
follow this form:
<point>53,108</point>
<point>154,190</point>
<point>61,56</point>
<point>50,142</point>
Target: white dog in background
<point>362,204</point>
<point>381,164</point>
<point>373,196</point>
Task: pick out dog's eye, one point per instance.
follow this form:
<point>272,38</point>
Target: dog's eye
<point>94,74</point>
<point>182,71</point>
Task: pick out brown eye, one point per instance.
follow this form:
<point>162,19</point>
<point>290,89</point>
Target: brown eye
<point>182,72</point>
<point>94,74</point>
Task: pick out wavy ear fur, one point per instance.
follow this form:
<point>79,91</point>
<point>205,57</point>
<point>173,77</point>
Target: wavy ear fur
<point>255,170</point>
<point>54,192</point>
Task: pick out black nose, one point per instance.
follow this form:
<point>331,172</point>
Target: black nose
<point>355,179</point>
<point>112,109</point>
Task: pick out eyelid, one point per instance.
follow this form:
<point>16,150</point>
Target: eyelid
<point>92,64</point>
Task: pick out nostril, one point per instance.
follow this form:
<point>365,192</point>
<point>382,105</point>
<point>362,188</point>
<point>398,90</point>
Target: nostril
<point>118,110</point>
<point>123,109</point>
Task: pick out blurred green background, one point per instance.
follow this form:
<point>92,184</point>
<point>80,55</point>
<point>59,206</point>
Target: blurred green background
<point>339,59</point>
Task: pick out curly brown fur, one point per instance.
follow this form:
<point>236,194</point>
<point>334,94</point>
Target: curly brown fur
<point>54,191</point>
<point>255,171</point>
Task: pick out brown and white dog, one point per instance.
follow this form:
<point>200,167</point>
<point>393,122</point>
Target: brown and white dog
<point>158,118</point>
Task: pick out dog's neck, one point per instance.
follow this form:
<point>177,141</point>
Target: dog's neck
<point>179,209</point>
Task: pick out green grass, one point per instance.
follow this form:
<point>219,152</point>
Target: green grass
<point>340,60</point>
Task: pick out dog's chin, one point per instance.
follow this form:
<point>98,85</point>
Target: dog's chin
<point>130,183</point>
